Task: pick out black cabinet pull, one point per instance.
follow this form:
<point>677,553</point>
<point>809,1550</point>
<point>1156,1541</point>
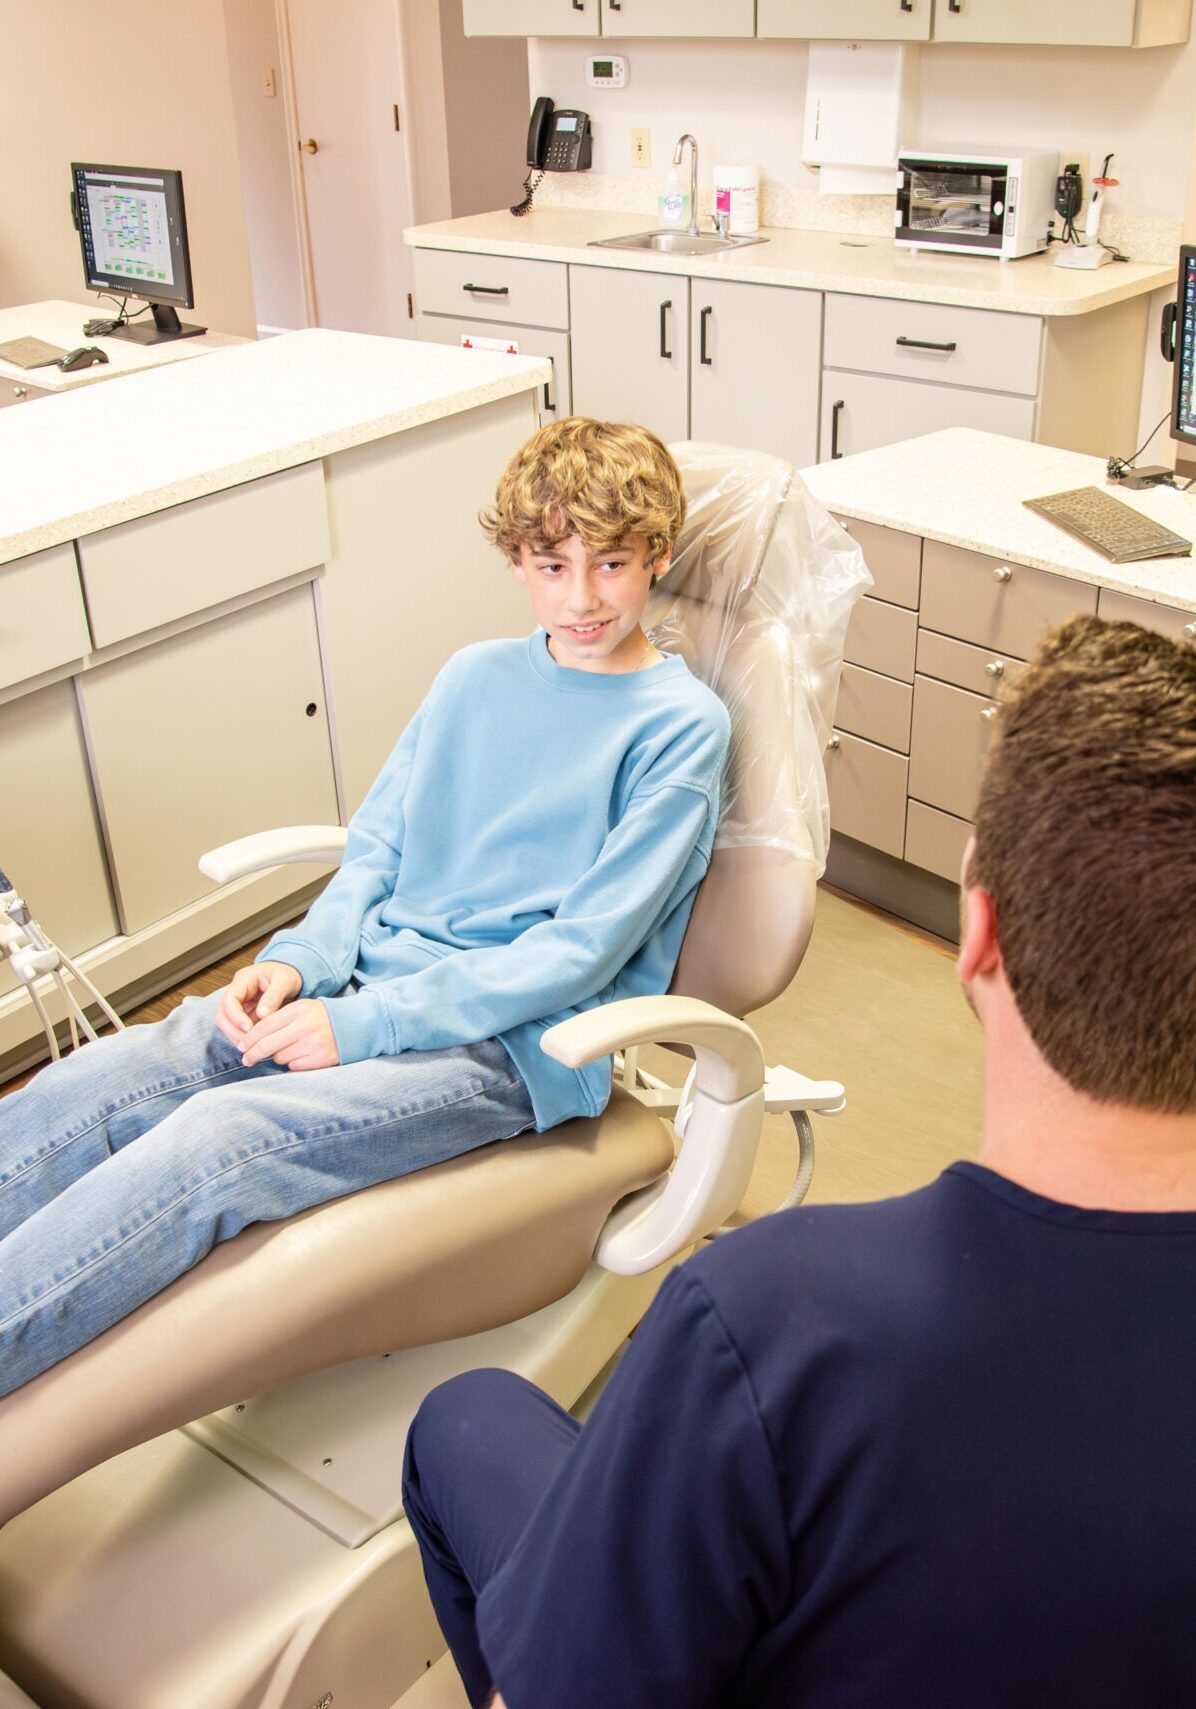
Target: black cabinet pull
<point>907,5</point>
<point>547,405</point>
<point>705,358</point>
<point>311,709</point>
<point>579,5</point>
<point>835,408</point>
<point>615,5</point>
<point>488,290</point>
<point>955,5</point>
<point>926,344</point>
<point>664,310</point>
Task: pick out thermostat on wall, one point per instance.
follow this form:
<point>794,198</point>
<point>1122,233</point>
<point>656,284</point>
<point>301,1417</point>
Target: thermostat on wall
<point>606,71</point>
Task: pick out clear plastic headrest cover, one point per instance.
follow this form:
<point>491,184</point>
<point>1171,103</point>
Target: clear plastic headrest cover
<point>757,600</point>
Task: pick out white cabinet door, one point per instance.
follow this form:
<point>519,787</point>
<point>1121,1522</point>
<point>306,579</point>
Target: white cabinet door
<point>52,850</point>
<point>630,343</point>
<point>214,733</point>
<point>709,18</point>
<point>531,17</point>
<point>553,401</point>
<point>755,366</point>
<point>862,411</point>
<point>848,20</point>
<point>1089,23</point>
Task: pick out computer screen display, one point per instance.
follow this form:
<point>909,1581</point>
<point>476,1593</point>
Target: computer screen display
<point>1183,411</point>
<point>134,232</point>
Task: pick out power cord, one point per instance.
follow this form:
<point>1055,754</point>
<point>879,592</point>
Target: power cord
<point>99,328</point>
<point>1122,468</point>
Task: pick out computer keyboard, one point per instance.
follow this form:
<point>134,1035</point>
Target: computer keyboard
<point>1117,530</point>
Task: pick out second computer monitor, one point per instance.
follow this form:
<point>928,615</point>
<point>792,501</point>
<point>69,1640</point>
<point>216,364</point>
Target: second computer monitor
<point>133,231</point>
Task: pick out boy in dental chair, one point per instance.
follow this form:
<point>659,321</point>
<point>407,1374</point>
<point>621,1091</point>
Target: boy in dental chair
<point>932,1453</point>
<point>532,846</point>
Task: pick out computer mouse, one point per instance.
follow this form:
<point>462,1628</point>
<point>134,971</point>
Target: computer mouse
<point>86,356</point>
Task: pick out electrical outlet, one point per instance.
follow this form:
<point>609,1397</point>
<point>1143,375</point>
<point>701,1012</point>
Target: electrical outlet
<point>268,82</point>
<point>1076,156</point>
<point>641,146</point>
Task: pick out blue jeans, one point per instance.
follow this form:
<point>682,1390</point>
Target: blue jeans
<point>125,1163</point>
<point>481,1452</point>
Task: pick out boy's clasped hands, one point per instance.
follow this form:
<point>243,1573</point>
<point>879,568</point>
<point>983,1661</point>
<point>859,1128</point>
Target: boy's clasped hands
<point>262,1014</point>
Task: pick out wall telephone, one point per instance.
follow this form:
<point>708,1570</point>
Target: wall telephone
<point>559,139</point>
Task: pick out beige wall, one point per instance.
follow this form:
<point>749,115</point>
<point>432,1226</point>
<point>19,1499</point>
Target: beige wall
<point>264,145</point>
<point>139,84</point>
<point>486,108</point>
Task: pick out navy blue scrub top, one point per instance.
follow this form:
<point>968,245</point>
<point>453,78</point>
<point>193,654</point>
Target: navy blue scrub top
<point>936,1452</point>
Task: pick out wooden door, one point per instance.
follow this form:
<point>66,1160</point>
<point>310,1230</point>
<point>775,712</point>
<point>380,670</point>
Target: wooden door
<point>630,352</point>
<point>708,18</point>
<point>755,364</point>
<point>205,737</point>
<point>850,20</point>
<point>531,17</point>
<point>355,171</point>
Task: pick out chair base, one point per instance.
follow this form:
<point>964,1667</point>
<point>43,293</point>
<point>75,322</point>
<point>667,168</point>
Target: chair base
<point>227,1566</point>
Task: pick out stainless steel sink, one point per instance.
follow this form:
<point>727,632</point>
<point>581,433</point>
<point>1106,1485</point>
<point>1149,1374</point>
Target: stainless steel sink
<point>675,242</point>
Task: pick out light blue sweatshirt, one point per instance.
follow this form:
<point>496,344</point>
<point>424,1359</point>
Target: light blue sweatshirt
<point>532,847</point>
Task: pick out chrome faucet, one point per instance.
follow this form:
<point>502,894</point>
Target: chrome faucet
<point>693,176</point>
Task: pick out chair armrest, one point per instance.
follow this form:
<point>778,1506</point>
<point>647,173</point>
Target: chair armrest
<point>285,847</point>
<point>714,1164</point>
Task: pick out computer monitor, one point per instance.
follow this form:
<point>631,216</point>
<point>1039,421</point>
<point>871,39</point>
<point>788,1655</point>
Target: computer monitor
<point>1183,352</point>
<point>133,232</point>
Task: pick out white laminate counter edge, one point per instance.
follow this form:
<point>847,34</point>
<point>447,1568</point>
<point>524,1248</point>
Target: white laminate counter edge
<point>76,464</point>
<point>864,265</point>
<point>966,488</point>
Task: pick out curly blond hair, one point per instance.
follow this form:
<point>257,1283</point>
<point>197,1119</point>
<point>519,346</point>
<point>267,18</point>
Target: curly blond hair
<point>601,480</point>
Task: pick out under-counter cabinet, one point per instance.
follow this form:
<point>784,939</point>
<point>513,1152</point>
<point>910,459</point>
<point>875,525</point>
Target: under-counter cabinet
<point>896,369</point>
<point>630,338</point>
<point>754,367</point>
<point>209,735</point>
<point>853,20</point>
<point>531,17</point>
<point>1062,23</point>
<point>461,299</point>
<point>703,359</point>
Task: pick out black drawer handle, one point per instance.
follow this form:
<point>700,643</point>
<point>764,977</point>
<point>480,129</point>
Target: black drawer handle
<point>489,290</point>
<point>835,408</point>
<point>704,358</point>
<point>907,5</point>
<point>664,314</point>
<point>579,5</point>
<point>955,5</point>
<point>925,344</point>
<point>547,404</point>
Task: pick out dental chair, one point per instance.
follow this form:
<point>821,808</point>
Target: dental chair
<point>258,1558</point>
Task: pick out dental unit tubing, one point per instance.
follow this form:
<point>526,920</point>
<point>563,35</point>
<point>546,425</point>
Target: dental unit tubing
<point>33,956</point>
<point>714,1165</point>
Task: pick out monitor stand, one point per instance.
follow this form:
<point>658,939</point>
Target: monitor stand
<point>164,326</point>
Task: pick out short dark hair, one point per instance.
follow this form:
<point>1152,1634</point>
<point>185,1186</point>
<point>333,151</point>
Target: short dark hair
<point>1086,842</point>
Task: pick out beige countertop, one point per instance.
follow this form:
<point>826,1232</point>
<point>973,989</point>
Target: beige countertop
<point>967,488</point>
<point>866,265</point>
<point>62,323</point>
<point>105,454</point>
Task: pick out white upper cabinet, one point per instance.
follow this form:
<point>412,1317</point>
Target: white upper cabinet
<point>710,18</point>
<point>1062,23</point>
<point>847,20</point>
<point>531,17</point>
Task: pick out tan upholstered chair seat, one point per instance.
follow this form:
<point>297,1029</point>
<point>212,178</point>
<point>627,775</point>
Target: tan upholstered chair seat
<point>458,1248</point>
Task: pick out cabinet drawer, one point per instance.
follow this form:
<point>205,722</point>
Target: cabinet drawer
<point>964,665</point>
<point>894,558</point>
<point>933,341</point>
<point>875,707</point>
<point>1008,607</point>
<point>1167,619</point>
<point>948,743</point>
<point>148,572</point>
<point>20,391</point>
<point>42,620</point>
<point>936,841</point>
<point>867,792</point>
<point>863,411</point>
<point>553,400</point>
<point>883,638</point>
<point>492,287</point>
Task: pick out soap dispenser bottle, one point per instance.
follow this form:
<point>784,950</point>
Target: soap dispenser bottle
<point>674,202</point>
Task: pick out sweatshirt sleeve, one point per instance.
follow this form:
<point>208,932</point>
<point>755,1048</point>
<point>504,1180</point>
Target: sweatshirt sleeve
<point>323,947</point>
<point>650,862</point>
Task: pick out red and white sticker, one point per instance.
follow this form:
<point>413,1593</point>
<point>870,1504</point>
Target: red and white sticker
<point>470,341</point>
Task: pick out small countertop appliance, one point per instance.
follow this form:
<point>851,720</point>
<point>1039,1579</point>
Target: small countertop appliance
<point>983,201</point>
